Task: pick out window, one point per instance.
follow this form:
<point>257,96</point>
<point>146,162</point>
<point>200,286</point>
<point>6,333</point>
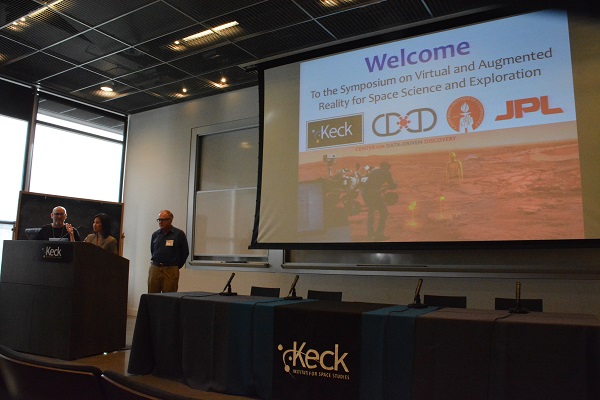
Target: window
<point>14,140</point>
<point>77,153</point>
<point>225,195</point>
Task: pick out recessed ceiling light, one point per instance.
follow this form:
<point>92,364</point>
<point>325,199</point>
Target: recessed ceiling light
<point>184,90</point>
<point>223,80</point>
<point>108,87</point>
<point>210,31</point>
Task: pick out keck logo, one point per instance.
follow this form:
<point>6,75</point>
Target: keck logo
<point>465,114</point>
<point>61,253</point>
<point>335,131</point>
<point>300,360</point>
<point>518,108</point>
<point>54,253</point>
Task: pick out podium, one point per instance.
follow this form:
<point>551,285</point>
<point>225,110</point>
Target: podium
<point>64,300</point>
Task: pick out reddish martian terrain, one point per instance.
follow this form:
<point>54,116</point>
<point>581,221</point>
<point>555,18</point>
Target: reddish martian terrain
<point>522,192</point>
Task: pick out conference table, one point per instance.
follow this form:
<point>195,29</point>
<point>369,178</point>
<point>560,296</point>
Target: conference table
<point>273,348</point>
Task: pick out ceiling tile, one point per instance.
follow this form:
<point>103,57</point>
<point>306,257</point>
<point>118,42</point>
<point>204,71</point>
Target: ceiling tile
<point>97,12</point>
<point>122,63</point>
<point>375,17</point>
<point>320,8</point>
<point>43,29</point>
<point>212,9</point>
<point>73,79</point>
<point>441,7</point>
<point>165,48</point>
<point>159,75</point>
<point>137,101</point>
<point>147,23</point>
<point>286,40</point>
<point>234,76</point>
<point>35,67</point>
<point>85,47</point>
<point>12,10</point>
<point>11,50</point>
<point>263,17</point>
<point>97,96</point>
<point>215,59</point>
<point>193,87</point>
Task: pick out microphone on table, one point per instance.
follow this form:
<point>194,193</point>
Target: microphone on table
<point>517,309</point>
<point>417,300</point>
<point>292,293</point>
<point>227,290</point>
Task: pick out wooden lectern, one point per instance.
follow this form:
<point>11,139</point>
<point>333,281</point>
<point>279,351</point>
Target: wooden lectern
<point>62,299</point>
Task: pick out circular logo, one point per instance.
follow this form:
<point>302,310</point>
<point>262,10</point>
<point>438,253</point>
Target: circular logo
<point>465,114</point>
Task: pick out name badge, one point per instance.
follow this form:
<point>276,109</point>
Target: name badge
<point>169,243</point>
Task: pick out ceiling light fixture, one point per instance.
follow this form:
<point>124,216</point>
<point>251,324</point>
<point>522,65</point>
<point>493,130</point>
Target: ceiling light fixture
<point>210,31</point>
<point>35,12</point>
<point>44,8</point>
<point>107,87</point>
<point>184,90</point>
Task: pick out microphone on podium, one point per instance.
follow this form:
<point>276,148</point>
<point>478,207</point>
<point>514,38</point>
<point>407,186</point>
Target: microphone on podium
<point>292,293</point>
<point>517,309</point>
<point>417,299</point>
<point>227,290</point>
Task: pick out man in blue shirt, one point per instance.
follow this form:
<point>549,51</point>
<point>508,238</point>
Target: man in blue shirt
<point>169,249</point>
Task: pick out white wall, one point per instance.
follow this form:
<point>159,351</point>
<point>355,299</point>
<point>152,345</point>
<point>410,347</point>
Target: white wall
<point>156,177</point>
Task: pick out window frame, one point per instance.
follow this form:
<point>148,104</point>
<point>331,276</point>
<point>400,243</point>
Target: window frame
<point>81,106</point>
<point>216,261</point>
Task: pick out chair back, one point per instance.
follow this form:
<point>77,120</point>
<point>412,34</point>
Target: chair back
<point>324,295</point>
<point>264,291</point>
<point>445,301</point>
<point>32,233</point>
<point>3,389</point>
<point>30,378</point>
<point>121,387</point>
<point>502,303</point>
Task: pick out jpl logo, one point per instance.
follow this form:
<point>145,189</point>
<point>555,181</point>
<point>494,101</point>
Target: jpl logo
<point>517,108</point>
<point>328,360</point>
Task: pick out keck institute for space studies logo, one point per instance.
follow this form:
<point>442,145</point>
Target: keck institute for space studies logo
<point>344,130</point>
<point>302,360</point>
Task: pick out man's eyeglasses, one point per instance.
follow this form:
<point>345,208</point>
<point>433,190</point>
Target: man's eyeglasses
<point>162,219</point>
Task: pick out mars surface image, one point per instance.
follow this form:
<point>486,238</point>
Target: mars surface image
<point>513,192</point>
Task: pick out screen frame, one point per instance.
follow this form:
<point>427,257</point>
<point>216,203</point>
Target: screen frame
<point>429,27</point>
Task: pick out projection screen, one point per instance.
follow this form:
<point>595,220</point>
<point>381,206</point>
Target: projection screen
<point>482,133</point>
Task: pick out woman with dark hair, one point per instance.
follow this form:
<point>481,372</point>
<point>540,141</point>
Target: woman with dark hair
<point>101,236</point>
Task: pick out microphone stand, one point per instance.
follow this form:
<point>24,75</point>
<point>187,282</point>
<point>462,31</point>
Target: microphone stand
<point>517,309</point>
<point>417,299</point>
<point>292,293</point>
<point>227,290</point>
